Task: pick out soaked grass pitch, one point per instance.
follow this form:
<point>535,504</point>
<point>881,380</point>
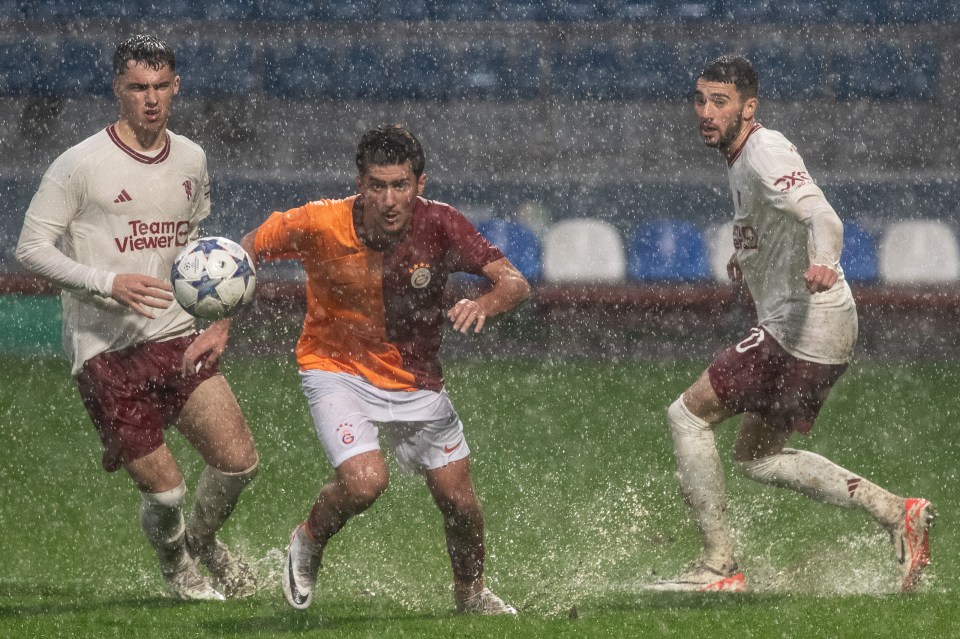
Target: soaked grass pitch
<point>574,467</point>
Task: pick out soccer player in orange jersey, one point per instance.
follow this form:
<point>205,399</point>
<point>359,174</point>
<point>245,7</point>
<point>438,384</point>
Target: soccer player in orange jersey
<point>376,266</point>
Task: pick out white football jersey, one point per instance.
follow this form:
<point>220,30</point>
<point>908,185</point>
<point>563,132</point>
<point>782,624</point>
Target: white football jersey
<point>773,248</point>
<point>115,210</point>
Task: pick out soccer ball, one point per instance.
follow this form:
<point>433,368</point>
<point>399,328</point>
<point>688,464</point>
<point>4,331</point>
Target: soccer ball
<point>213,278</point>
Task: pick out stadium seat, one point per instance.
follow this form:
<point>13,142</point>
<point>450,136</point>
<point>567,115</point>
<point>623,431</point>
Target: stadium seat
<point>366,73</point>
<point>788,74</point>
<point>667,251</point>
<point>918,81</point>
<point>651,72</point>
<point>517,242</point>
<point>306,70</point>
<point>209,70</point>
<point>583,250</point>
<point>76,69</point>
<point>420,73</point>
<point>719,240</point>
<point>919,252</point>
<point>479,72</point>
<point>461,10</point>
<point>587,72</point>
<point>20,64</point>
<point>859,256</point>
<point>522,10</point>
<point>407,11</point>
<point>238,10</point>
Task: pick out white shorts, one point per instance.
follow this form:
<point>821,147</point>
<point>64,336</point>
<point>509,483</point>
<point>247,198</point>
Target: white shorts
<point>422,426</point>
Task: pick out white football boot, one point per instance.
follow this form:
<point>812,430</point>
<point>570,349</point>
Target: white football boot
<point>299,575</point>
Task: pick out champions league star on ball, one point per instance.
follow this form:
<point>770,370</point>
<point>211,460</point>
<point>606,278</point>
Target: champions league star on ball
<point>213,278</point>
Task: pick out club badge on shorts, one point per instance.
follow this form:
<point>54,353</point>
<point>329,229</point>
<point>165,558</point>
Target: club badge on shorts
<point>420,275</point>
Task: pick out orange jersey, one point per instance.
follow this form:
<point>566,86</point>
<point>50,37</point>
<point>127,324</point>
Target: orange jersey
<point>377,314</point>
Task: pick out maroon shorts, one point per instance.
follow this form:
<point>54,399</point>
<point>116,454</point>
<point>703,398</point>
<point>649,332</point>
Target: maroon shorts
<point>758,376</point>
<point>134,393</point>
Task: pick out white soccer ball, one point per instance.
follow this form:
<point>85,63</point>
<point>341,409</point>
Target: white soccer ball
<point>213,278</point>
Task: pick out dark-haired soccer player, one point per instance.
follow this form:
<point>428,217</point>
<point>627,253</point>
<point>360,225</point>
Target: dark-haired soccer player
<point>787,241</point>
<point>109,218</point>
<point>376,266</point>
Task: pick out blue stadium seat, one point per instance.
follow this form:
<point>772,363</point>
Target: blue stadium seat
<point>20,64</point>
<point>406,11</point>
<point>306,70</point>
<point>918,81</point>
<point>523,10</point>
<point>788,74</point>
<point>10,9</point>
<point>365,75</point>
<point>238,10</point>
<point>651,71</point>
<point>517,242</point>
<point>578,11</point>
<point>209,70</point>
<point>480,72</point>
<point>668,250</point>
<point>171,9</point>
<point>292,10</point>
<point>76,69</point>
<point>461,10</point>
<point>421,73</point>
<point>635,10</point>
<point>348,10</point>
<point>522,77</point>
<point>587,72</point>
<point>859,256</point>
<point>866,72</point>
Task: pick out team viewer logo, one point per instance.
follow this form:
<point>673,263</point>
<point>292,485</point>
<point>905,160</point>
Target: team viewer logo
<point>420,275</point>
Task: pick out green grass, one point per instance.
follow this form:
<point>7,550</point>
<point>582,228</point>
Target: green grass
<point>574,466</point>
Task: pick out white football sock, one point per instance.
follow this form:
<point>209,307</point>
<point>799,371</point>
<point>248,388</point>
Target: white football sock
<point>161,517</point>
<point>217,495</point>
<point>701,481</point>
<point>819,478</point>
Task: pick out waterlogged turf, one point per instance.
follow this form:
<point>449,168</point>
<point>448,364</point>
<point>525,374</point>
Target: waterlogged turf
<point>574,467</point>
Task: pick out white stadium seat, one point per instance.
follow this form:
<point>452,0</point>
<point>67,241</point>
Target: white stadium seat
<point>919,252</point>
<point>583,250</point>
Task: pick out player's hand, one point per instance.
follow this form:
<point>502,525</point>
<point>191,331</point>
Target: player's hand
<point>140,293</point>
<point>733,269</point>
<point>465,314</point>
<point>819,278</point>
<point>206,349</point>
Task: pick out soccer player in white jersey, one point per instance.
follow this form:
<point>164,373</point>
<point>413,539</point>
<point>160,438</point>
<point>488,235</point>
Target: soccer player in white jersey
<point>787,241</point>
<point>109,217</point>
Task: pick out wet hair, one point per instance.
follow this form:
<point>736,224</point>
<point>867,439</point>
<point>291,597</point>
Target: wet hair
<point>390,144</point>
<point>143,49</point>
<point>736,70</point>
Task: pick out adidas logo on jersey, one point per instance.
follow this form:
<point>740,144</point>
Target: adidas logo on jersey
<point>123,197</point>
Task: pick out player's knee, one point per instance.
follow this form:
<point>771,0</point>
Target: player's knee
<point>171,499</point>
<point>362,491</point>
<point>242,470</point>
<point>683,421</point>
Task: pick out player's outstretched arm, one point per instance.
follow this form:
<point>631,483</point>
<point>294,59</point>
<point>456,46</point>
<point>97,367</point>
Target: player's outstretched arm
<point>140,293</point>
<point>510,289</point>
